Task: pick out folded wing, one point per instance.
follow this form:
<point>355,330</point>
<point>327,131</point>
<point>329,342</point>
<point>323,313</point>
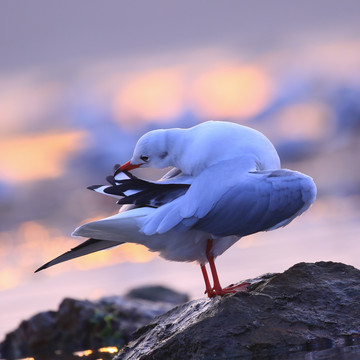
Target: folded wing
<point>236,204</point>
<point>263,201</point>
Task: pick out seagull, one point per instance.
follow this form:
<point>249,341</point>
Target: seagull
<point>225,183</point>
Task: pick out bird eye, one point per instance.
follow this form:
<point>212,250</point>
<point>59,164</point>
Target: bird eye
<point>144,158</point>
<point>163,155</point>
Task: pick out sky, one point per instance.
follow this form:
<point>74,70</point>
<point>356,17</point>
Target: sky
<point>81,81</point>
<point>39,33</point>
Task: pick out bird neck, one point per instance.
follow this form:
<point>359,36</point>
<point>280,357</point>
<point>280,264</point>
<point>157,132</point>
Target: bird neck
<point>181,153</point>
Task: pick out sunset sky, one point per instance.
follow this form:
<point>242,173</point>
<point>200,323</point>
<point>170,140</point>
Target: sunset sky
<point>81,82</point>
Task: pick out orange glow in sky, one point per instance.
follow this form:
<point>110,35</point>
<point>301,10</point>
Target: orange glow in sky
<point>122,253</point>
<point>24,101</point>
<point>32,244</point>
<point>37,156</point>
<point>231,91</point>
<point>305,121</point>
<point>152,95</point>
<point>223,91</point>
<point>9,278</point>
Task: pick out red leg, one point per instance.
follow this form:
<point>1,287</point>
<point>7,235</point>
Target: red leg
<point>206,279</point>
<point>217,289</point>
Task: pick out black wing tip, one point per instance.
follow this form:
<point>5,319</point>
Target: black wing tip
<point>91,241</point>
<point>113,190</point>
<point>45,266</point>
<point>94,187</point>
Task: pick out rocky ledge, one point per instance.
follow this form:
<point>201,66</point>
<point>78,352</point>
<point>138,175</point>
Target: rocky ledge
<point>308,307</point>
<point>83,324</point>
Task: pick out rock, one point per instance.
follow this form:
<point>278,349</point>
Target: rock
<point>308,307</point>
<point>80,325</point>
<point>158,293</point>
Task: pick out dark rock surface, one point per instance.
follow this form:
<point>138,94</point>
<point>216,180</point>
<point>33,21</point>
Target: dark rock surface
<point>82,324</point>
<point>308,307</point>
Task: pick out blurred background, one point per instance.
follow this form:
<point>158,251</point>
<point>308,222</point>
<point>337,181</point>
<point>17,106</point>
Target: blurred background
<point>81,81</point>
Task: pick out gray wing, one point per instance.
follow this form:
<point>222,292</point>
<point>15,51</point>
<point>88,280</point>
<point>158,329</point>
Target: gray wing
<point>87,247</point>
<point>227,202</point>
<point>264,200</point>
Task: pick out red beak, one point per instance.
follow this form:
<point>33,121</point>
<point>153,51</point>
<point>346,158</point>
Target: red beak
<point>126,167</point>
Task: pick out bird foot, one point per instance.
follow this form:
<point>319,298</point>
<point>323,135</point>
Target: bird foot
<point>228,290</point>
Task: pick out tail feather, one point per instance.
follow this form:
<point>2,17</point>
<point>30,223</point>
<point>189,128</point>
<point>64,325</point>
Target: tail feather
<point>122,227</point>
<point>87,247</point>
